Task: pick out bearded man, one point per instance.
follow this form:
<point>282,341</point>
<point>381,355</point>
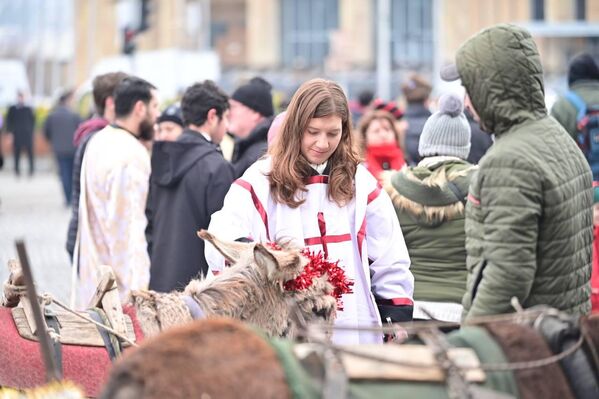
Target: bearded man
<point>114,188</point>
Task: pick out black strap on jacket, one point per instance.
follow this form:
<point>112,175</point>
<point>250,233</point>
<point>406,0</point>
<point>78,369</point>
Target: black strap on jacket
<point>459,194</point>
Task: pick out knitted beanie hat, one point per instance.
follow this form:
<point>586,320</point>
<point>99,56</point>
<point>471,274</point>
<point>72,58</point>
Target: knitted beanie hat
<point>582,67</point>
<point>172,114</point>
<point>388,106</point>
<point>447,131</point>
<point>256,95</point>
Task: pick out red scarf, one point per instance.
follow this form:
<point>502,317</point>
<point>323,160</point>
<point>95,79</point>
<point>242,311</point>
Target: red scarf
<point>384,157</point>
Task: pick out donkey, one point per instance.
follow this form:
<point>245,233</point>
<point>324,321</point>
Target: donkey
<point>222,358</point>
<point>251,290</point>
<point>215,358</point>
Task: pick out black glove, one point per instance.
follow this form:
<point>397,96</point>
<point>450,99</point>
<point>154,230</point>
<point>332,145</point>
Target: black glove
<point>397,313</point>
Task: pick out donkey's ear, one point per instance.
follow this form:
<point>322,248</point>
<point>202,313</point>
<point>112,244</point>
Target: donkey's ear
<point>265,259</point>
<point>231,250</point>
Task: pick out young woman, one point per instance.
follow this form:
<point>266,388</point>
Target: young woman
<point>381,142</point>
<point>311,189</point>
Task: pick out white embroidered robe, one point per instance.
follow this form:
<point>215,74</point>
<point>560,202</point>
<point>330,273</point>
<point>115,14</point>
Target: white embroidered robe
<point>114,186</point>
<point>364,236</point>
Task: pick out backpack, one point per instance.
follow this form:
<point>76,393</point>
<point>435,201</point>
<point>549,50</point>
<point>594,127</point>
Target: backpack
<point>587,125</point>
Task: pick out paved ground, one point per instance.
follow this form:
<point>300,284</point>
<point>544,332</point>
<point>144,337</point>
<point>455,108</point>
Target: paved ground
<point>33,209</point>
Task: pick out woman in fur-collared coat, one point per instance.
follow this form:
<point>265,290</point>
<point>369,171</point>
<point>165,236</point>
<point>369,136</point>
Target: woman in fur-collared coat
<point>429,200</point>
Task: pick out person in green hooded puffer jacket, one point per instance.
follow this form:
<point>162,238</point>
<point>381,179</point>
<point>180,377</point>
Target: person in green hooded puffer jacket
<point>529,214</point>
<point>429,200</point>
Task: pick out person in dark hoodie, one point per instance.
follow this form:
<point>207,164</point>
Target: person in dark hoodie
<point>189,181</point>
<point>416,91</point>
<point>251,116</point>
<point>103,89</point>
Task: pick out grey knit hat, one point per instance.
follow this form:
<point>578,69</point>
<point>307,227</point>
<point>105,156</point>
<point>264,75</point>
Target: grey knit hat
<point>447,131</point>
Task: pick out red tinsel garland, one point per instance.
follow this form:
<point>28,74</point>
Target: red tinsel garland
<point>316,267</point>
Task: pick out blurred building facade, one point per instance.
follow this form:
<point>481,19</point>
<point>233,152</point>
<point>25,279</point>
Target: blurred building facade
<point>292,40</point>
<point>289,41</point>
<point>561,28</point>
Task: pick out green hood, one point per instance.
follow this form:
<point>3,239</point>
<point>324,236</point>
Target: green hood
<point>501,70</point>
<point>423,191</point>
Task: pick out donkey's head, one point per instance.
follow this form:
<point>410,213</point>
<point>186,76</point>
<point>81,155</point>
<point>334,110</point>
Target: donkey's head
<point>278,265</point>
<point>312,305</point>
<point>304,306</point>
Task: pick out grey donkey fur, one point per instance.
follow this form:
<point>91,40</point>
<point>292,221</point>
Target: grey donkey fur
<point>250,290</point>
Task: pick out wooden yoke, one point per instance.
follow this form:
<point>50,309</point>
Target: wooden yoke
<point>107,298</point>
<point>74,330</point>
<point>406,362</point>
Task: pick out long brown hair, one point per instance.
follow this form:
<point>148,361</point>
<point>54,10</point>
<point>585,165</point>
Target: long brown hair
<point>315,98</point>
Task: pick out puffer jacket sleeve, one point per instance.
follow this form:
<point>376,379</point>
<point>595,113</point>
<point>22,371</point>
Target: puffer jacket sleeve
<point>236,221</point>
<point>565,113</point>
<point>506,197</point>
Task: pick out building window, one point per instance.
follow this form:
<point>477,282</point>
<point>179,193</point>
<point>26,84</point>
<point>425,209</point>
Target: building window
<point>305,29</point>
<point>412,33</point>
<point>537,8</point>
<point>580,10</point>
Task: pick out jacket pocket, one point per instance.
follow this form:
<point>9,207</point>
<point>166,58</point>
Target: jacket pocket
<point>477,279</point>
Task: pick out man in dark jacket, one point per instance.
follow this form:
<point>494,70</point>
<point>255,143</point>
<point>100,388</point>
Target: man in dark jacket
<point>59,129</point>
<point>251,116</point>
<point>529,211</point>
<point>20,122</point>
<point>188,184</point>
<point>103,89</point>
<point>416,91</point>
<point>480,141</point>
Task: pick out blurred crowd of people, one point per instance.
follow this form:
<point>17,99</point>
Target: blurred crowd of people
<point>442,209</point>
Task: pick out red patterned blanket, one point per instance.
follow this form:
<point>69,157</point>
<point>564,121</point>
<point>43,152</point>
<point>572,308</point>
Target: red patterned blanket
<point>21,364</point>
